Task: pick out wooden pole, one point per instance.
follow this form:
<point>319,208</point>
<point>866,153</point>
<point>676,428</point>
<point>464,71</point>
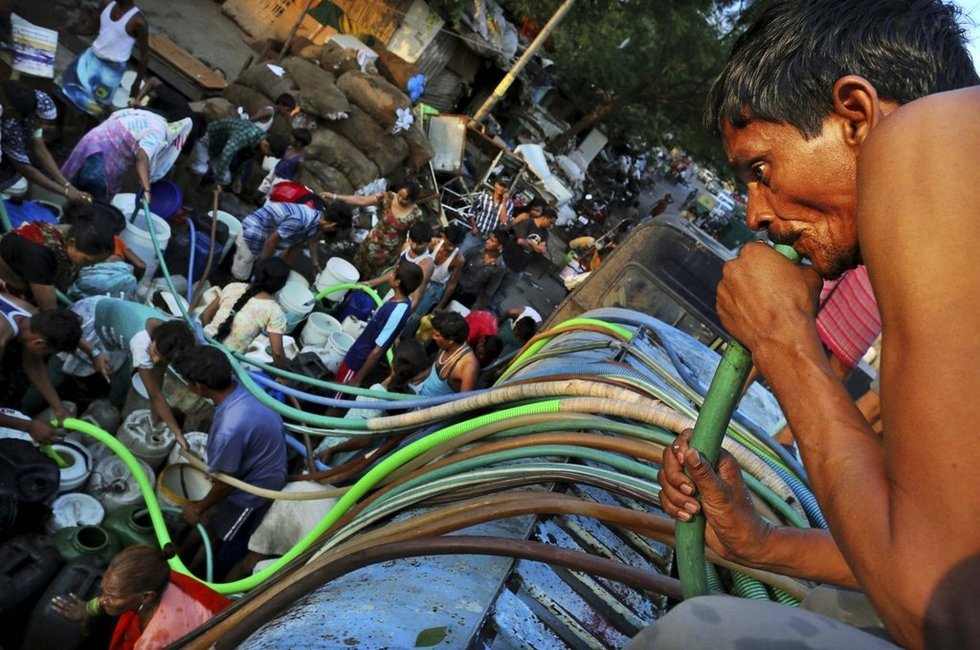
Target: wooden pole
<point>531,50</point>
<point>292,32</point>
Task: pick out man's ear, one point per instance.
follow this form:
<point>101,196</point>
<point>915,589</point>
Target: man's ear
<point>857,103</point>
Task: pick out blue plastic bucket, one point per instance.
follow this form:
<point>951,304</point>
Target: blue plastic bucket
<point>165,199</point>
<point>357,304</point>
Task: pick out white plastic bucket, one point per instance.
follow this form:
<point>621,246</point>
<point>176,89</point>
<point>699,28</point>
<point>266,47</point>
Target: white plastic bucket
<point>78,465</point>
<point>296,300</point>
<point>318,328</point>
<point>198,443</point>
<point>17,189</point>
<point>336,349</point>
<point>337,271</point>
<point>180,484</point>
<point>75,509</point>
<point>136,235</point>
<point>165,301</point>
<point>353,326</point>
<point>234,230</point>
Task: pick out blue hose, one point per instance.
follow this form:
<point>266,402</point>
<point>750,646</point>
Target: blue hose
<point>801,492</point>
<point>380,405</point>
<point>190,264</point>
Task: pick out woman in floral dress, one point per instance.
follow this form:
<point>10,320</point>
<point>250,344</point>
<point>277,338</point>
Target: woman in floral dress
<point>397,212</point>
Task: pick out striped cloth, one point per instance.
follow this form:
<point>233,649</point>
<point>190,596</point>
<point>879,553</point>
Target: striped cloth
<point>848,321</point>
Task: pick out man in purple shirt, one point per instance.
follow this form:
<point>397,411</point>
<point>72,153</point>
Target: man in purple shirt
<point>246,440</point>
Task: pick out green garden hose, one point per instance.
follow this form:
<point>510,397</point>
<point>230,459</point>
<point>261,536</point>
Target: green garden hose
<point>719,404</point>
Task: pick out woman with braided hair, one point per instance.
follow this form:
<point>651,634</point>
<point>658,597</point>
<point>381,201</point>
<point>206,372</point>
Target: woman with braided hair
<point>243,311</point>
<point>155,605</point>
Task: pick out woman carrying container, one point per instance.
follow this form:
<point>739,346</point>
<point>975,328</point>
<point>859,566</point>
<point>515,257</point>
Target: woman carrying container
<point>243,311</point>
<point>129,138</point>
<point>37,257</point>
<point>397,213</point>
<point>155,606</point>
<point>22,137</point>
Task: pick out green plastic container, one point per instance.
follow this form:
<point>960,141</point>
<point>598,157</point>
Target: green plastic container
<point>131,526</point>
<point>85,540</point>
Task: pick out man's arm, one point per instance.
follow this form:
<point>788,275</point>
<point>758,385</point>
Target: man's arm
<point>36,371</point>
<point>270,246</point>
<point>153,380</point>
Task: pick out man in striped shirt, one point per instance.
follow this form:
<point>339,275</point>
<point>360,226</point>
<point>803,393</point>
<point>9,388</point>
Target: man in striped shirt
<point>488,212</point>
<point>284,227</point>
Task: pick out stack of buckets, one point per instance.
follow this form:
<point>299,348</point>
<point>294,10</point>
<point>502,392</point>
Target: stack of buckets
<point>296,300</point>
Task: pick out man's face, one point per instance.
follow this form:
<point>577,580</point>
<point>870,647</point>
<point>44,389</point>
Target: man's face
<point>326,225</point>
<point>417,247</point>
<point>493,244</point>
<point>499,189</point>
<point>802,191</point>
<point>265,148</point>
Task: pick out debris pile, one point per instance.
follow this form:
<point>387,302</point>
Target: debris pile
<point>362,125</point>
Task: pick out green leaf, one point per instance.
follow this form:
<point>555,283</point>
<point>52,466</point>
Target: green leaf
<point>430,637</point>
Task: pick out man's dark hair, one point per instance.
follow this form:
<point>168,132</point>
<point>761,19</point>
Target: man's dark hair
<point>339,213</point>
<point>502,235</point>
<point>61,328</point>
<point>302,136</point>
<point>455,233</point>
<point>174,339</point>
<point>92,237</point>
<point>451,326</point>
<point>784,67</point>
<point>102,214</point>
<point>277,144</point>
<point>420,232</point>
<point>524,329</point>
<point>550,213</point>
<point>409,276</point>
<point>207,366</point>
<point>286,100</point>
<point>487,349</point>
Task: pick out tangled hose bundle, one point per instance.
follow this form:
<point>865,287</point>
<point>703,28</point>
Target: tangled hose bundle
<point>483,456</point>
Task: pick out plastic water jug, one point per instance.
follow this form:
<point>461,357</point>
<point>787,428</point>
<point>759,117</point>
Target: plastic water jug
<point>75,509</point>
<point>47,628</point>
<point>114,485</point>
<point>27,563</point>
<point>148,441</point>
<point>77,541</point>
<point>131,526</point>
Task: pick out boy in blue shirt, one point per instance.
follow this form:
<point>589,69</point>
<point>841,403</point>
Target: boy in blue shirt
<point>247,441</point>
<point>383,328</point>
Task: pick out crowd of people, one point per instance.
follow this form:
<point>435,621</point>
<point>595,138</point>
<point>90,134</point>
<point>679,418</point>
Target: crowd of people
<point>73,330</point>
<point>878,133</point>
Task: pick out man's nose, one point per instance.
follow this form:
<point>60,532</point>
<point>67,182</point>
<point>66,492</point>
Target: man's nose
<point>758,211</point>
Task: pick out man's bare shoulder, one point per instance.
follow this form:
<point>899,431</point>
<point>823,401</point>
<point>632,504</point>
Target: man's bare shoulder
<point>945,121</point>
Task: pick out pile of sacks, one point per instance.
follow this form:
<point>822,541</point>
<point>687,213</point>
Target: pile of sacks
<point>361,130</point>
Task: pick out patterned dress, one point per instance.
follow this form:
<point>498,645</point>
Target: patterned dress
<point>380,248</point>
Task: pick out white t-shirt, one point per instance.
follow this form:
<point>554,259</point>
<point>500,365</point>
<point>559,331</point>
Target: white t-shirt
<point>139,347</point>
